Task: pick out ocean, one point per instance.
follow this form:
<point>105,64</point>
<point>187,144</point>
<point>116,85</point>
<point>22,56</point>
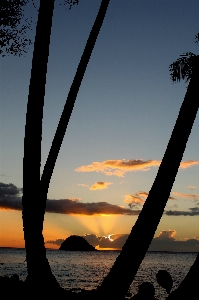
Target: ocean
<point>86,270</point>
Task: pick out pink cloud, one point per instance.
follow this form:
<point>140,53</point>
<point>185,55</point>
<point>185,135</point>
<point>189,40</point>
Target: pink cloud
<point>121,166</point>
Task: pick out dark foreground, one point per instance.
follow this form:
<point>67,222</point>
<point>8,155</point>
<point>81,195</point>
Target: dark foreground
<point>14,288</point>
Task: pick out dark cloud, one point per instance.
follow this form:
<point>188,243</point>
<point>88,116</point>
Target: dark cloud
<point>76,207</point>
<point>10,196</point>
<point>194,211</point>
<point>164,242</point>
<point>10,199</point>
<point>111,241</point>
<point>9,190</point>
<point>57,242</point>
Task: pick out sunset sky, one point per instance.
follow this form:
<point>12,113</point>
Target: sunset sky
<point>119,129</point>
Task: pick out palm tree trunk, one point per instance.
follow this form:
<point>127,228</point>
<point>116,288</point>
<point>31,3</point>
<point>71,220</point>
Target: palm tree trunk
<point>188,289</point>
<point>33,211</point>
<point>39,271</point>
<point>70,102</point>
<point>120,277</point>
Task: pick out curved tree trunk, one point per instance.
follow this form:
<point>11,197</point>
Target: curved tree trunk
<point>39,272</point>
<point>121,275</point>
<point>32,213</point>
<point>188,289</point>
<point>70,101</point>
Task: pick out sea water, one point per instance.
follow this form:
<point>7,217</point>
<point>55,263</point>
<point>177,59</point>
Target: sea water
<point>86,270</point>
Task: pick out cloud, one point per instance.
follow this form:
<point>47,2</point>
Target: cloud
<point>9,190</point>
<point>82,184</point>
<point>191,196</point>
<point>57,242</point>
<point>120,167</point>
<point>10,198</point>
<point>99,185</point>
<point>115,241</point>
<point>188,164</point>
<point>76,207</point>
<point>167,234</point>
<point>111,241</point>
<point>191,187</point>
<point>133,200</point>
<point>165,241</point>
<point>142,194</point>
<point>145,195</point>
<point>194,211</point>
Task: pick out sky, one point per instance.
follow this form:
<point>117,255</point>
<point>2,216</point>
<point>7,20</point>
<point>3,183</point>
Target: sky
<point>121,123</point>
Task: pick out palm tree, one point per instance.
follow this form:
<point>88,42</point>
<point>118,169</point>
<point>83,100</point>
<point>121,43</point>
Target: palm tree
<point>116,284</point>
<point>39,272</point>
<point>32,218</point>
<point>183,69</point>
<point>68,107</point>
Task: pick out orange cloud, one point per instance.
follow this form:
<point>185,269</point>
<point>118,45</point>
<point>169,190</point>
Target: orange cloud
<point>120,167</point>
<point>100,185</point>
<point>188,164</point>
<point>129,199</point>
<point>167,234</point>
<point>142,194</point>
<point>192,196</point>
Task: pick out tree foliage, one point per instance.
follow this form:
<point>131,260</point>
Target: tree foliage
<point>183,67</point>
<point>13,38</point>
<point>13,31</point>
<point>70,2</point>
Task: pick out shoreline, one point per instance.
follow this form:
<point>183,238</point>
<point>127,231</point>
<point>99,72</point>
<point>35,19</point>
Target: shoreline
<point>112,250</point>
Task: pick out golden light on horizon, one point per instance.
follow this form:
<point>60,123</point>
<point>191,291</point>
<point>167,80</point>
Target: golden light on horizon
<point>100,225</point>
<point>102,249</point>
<point>12,235</point>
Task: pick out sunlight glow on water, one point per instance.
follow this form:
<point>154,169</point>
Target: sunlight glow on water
<point>86,270</point>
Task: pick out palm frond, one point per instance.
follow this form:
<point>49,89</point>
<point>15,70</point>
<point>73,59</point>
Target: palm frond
<point>183,67</point>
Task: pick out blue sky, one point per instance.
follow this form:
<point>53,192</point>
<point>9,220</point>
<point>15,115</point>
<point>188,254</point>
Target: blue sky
<point>125,110</point>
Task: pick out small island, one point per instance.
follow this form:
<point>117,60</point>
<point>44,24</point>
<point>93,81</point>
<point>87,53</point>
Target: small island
<point>76,243</point>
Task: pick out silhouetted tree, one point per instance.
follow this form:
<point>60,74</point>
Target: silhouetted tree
<point>37,264</point>
<point>117,282</point>
<point>39,272</point>
<point>183,68</point>
<point>188,288</point>
<point>13,38</point>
